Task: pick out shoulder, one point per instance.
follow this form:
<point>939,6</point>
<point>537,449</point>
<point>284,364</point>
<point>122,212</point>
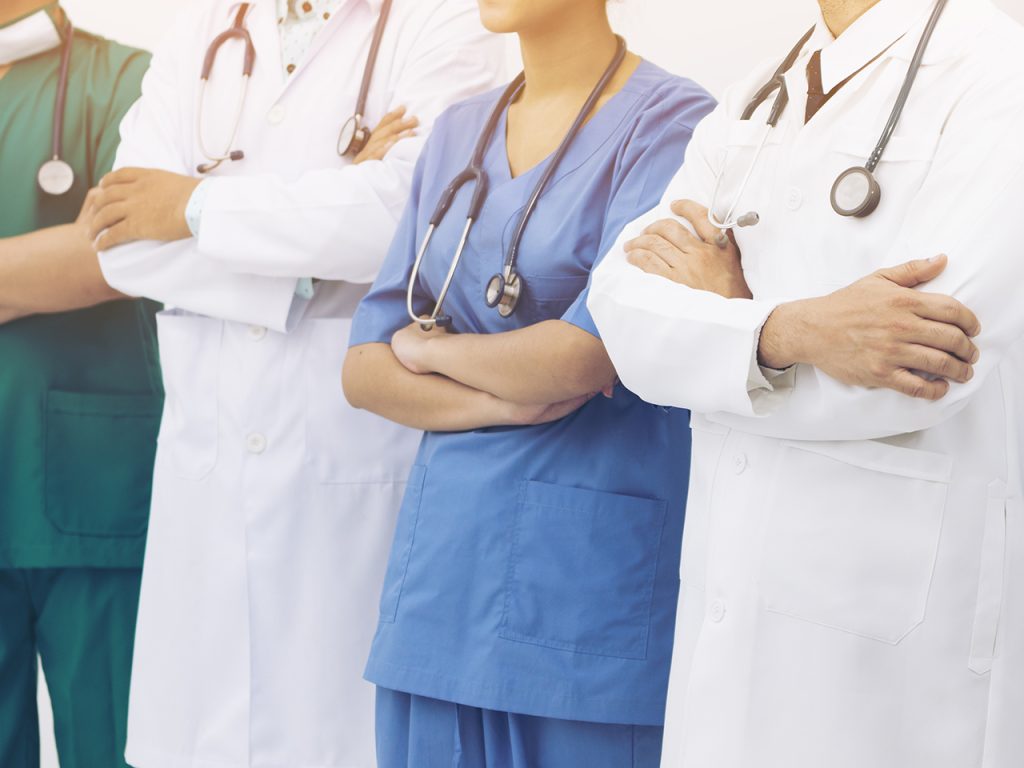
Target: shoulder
<point>663,99</point>
<point>467,117</point>
<point>108,62</point>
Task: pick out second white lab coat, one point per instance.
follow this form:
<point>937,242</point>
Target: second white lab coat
<point>273,500</point>
<point>853,560</point>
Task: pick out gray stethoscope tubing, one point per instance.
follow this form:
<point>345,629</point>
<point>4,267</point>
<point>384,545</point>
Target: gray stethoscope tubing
<point>856,193</point>
<point>237,31</point>
<point>505,288</point>
<point>353,136</point>
<point>56,176</point>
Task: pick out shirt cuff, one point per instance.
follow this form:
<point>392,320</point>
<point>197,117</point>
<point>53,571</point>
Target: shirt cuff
<point>194,208</point>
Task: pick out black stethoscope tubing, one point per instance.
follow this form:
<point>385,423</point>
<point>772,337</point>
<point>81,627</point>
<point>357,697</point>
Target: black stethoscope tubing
<point>56,176</point>
<point>353,136</point>
<point>504,288</point>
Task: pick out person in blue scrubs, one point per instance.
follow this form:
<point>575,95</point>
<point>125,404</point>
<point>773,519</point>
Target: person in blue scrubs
<point>527,615</point>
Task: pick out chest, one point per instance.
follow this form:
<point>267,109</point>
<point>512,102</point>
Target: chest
<point>801,244</point>
<point>281,120</point>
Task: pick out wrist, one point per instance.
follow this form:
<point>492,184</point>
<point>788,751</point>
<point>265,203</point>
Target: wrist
<point>784,337</point>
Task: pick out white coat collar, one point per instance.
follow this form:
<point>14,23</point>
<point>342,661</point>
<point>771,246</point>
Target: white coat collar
<point>879,28</point>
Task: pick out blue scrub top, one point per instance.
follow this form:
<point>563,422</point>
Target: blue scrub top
<point>535,569</point>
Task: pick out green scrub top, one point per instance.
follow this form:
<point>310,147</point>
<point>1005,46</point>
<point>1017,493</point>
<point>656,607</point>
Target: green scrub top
<point>80,392</point>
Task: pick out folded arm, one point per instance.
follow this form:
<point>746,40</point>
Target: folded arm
<point>376,381</point>
<point>549,362</point>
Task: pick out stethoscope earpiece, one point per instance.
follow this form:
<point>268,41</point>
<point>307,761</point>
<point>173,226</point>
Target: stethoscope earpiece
<point>856,193</point>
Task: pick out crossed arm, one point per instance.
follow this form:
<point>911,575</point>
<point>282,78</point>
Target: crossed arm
<point>435,381</point>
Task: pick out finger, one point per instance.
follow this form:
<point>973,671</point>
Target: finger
<point>668,252</point>
<point>916,386</point>
<point>650,263</point>
<point>107,217</point>
<point>936,363</point>
<point>697,215</point>
<point>945,309</point>
<point>674,232</point>
<point>116,235</point>
<point>945,337</point>
<point>122,176</point>
<point>384,132</point>
<point>390,117</point>
<point>912,273</point>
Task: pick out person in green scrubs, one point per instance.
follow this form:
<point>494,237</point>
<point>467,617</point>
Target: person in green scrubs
<point>80,402</point>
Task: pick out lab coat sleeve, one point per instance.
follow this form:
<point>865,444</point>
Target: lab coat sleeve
<point>336,224</point>
<point>670,344</point>
<point>153,135</point>
<point>966,209</point>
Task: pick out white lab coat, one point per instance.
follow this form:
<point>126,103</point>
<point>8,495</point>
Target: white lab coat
<point>853,560</point>
<point>274,501</point>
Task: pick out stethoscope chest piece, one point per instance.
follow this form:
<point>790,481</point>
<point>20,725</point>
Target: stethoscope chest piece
<point>504,292</point>
<point>353,137</point>
<point>856,193</point>
<point>56,177</point>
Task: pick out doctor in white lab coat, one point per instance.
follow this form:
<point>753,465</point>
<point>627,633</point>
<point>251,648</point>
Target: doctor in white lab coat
<point>274,501</point>
<point>853,558</point>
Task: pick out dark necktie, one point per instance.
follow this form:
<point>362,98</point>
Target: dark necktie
<point>816,98</point>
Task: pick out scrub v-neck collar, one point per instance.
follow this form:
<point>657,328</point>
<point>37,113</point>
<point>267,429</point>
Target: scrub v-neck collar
<point>594,133</point>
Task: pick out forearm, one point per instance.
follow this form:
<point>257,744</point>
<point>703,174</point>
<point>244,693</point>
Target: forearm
<point>374,380</point>
<point>51,270</point>
<point>546,363</point>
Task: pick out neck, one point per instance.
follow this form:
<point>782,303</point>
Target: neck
<point>15,9</point>
<point>840,14</point>
<point>568,53</point>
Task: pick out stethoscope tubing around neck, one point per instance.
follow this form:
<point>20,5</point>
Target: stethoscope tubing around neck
<point>60,104</point>
<point>371,59</point>
<point>908,85</point>
<point>563,148</point>
<point>474,173</point>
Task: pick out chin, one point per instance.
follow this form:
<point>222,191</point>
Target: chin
<point>500,16</point>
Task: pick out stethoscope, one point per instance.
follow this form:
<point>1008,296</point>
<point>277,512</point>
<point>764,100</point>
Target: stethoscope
<point>56,176</point>
<point>354,134</point>
<point>856,193</point>
<point>506,287</point>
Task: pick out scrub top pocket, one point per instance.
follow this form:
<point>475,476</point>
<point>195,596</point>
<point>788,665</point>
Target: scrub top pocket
<point>860,561</point>
<point>99,458</point>
<point>581,571</point>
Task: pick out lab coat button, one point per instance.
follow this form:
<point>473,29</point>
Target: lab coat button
<point>794,198</point>
<point>739,463</point>
<point>257,332</point>
<point>717,611</point>
<point>256,443</point>
<point>276,114</point>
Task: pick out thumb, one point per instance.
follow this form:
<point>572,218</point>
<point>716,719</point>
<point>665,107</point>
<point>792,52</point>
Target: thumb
<point>913,273</point>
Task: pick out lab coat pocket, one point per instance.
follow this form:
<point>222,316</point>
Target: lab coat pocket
<point>99,462</point>
<point>401,547</point>
<point>345,444</point>
<point>190,356</point>
<point>853,535</point>
<point>581,571</point>
<point>990,581</point>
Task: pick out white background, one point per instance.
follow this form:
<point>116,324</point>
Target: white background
<point>711,41</point>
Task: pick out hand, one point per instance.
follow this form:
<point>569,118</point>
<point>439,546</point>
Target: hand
<point>532,415</point>
<point>410,346</point>
<point>140,204</point>
<point>879,332</point>
<point>706,262</point>
<point>88,208</point>
<point>391,129</point>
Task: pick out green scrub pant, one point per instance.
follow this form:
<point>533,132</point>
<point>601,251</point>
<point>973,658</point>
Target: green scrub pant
<point>81,622</point>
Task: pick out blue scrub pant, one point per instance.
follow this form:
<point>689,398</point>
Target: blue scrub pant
<point>417,732</point>
<point>81,622</point>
